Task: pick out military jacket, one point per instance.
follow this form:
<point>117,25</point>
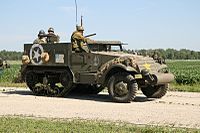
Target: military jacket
<point>77,40</point>
<point>52,38</point>
<point>40,41</point>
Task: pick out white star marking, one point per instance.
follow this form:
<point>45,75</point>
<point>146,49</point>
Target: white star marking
<point>36,55</point>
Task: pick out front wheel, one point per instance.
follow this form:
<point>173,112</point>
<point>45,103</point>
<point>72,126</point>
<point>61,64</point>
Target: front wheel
<point>155,91</point>
<point>122,87</point>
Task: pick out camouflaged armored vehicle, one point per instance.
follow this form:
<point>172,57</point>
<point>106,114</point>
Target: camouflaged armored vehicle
<point>55,70</point>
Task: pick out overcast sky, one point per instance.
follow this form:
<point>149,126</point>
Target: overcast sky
<point>143,24</point>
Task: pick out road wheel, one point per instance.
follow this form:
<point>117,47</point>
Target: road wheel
<point>32,82</point>
<point>67,83</point>
<point>155,91</point>
<point>122,87</point>
<point>31,79</point>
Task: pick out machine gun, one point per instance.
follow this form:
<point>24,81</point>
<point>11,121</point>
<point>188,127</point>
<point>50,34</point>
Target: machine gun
<point>90,35</point>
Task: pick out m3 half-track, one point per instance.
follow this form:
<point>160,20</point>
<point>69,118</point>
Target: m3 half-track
<point>55,70</point>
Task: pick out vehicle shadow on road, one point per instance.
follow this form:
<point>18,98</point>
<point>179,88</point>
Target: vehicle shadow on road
<point>18,92</point>
<point>104,97</point>
<point>142,99</point>
<point>91,97</point>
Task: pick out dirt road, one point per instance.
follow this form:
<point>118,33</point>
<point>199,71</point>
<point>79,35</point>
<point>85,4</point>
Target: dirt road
<point>175,109</point>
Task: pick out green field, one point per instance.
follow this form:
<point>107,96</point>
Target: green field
<point>33,125</point>
<point>186,72</point>
<point>9,76</point>
<point>187,75</point>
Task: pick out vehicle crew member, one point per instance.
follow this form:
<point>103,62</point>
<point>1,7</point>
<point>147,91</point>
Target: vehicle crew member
<point>79,42</point>
<point>51,37</point>
<point>41,38</point>
<point>158,58</point>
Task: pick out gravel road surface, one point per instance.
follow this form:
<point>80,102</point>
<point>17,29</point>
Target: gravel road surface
<point>177,109</point>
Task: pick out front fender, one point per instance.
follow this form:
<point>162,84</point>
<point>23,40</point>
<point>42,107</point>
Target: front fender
<point>120,67</point>
<point>115,68</point>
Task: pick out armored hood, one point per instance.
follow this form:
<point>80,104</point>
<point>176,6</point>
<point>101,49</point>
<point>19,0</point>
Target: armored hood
<point>142,62</point>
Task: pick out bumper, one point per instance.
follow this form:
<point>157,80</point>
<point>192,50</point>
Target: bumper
<point>162,78</point>
<point>157,78</point>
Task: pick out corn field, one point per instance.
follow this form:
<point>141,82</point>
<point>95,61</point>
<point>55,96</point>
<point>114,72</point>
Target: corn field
<point>186,72</point>
<point>9,75</point>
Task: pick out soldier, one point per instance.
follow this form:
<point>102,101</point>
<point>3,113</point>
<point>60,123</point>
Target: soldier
<point>158,58</point>
<point>51,37</point>
<point>79,42</point>
<point>155,55</point>
<point>41,38</point>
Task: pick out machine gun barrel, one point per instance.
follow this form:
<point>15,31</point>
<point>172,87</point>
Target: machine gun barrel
<point>90,35</point>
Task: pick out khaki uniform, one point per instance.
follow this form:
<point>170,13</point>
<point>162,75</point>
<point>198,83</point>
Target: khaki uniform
<point>40,41</point>
<point>52,38</point>
<point>79,42</point>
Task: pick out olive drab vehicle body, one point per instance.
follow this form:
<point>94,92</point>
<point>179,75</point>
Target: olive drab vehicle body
<point>56,70</point>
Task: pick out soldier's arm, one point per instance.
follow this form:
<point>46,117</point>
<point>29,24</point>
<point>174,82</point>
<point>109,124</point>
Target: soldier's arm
<point>58,38</point>
<point>35,41</point>
<point>79,36</point>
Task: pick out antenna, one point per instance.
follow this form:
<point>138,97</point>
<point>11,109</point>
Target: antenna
<point>81,20</point>
<point>76,13</point>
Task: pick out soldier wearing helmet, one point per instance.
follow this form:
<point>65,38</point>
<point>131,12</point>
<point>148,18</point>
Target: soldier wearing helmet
<point>51,37</point>
<point>79,42</point>
<point>41,38</point>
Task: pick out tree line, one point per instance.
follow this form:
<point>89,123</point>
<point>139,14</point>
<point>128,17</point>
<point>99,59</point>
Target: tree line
<point>172,54</point>
<point>10,55</point>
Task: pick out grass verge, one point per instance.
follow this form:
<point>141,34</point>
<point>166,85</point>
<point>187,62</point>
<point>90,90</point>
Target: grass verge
<point>184,88</point>
<point>17,124</point>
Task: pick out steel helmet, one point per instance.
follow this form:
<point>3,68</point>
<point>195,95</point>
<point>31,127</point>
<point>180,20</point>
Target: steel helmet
<point>80,28</point>
<point>41,33</point>
<point>51,30</point>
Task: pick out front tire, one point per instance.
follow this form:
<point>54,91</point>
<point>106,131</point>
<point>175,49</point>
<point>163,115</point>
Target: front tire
<point>155,91</point>
<point>122,87</point>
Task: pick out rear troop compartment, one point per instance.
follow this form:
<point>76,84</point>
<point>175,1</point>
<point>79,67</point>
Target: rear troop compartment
<point>59,54</point>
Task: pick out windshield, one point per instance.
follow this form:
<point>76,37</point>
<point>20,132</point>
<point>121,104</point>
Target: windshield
<point>104,47</point>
